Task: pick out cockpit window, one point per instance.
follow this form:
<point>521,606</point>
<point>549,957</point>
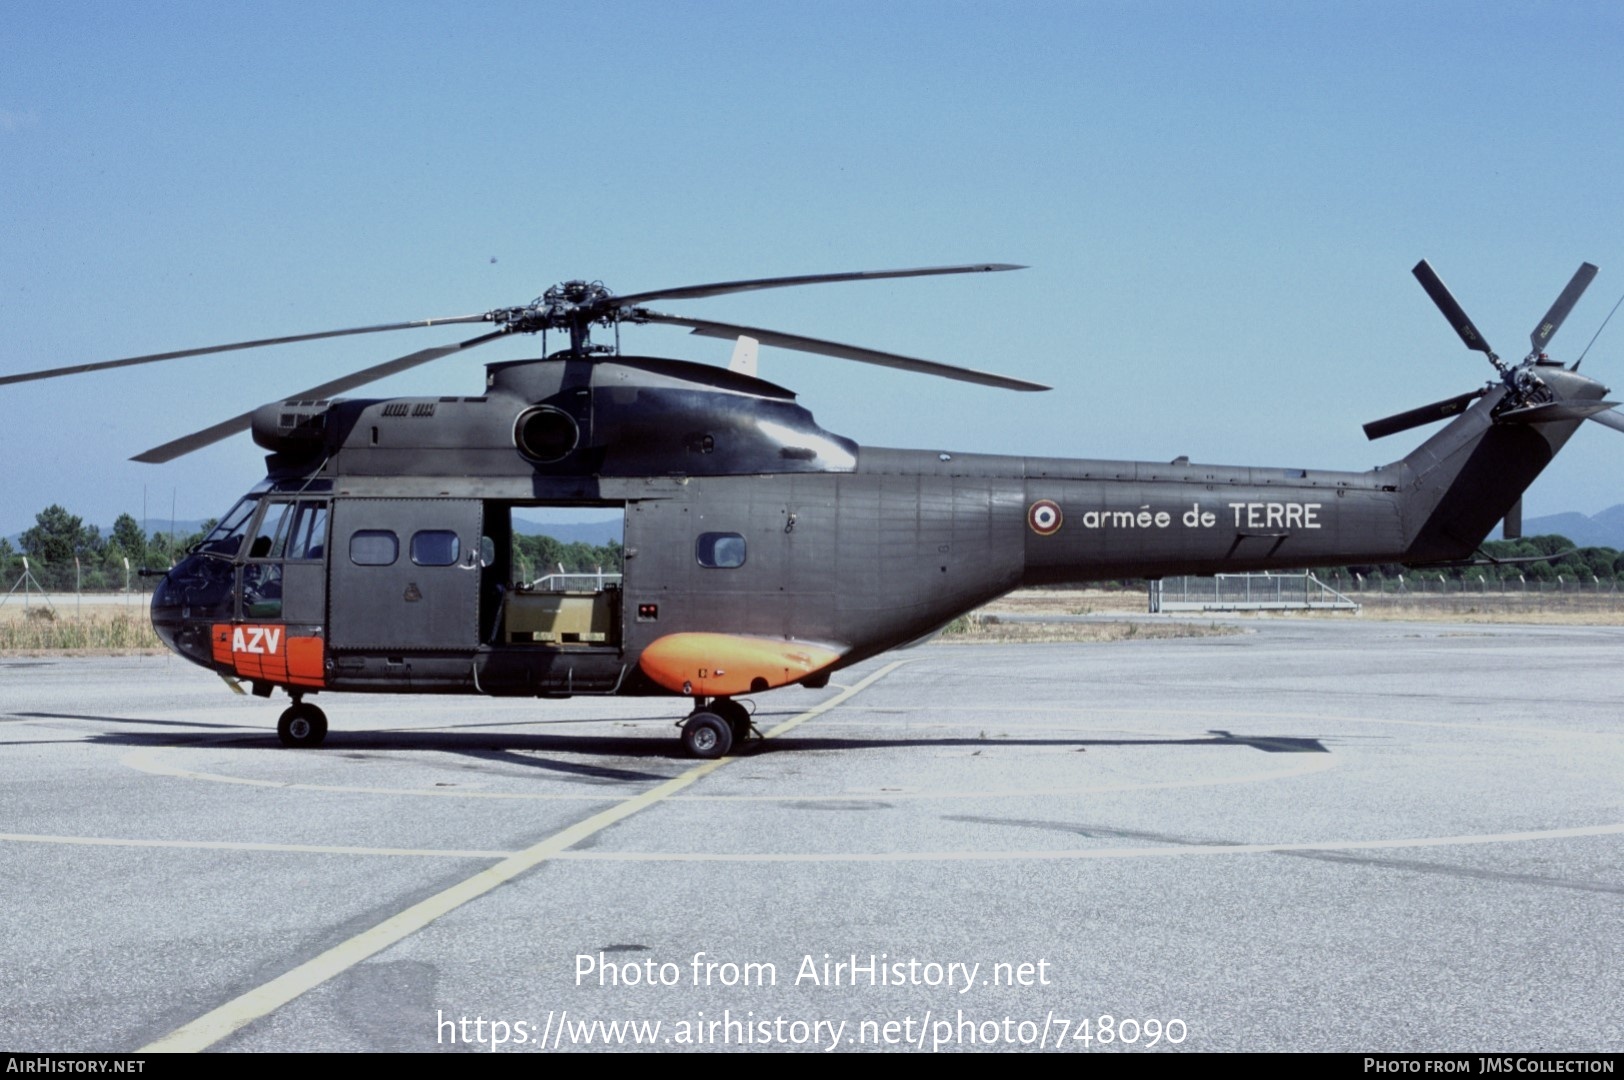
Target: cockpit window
<point>270,537</point>
<point>308,537</point>
<point>226,537</point>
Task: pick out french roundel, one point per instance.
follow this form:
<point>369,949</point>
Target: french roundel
<point>1044,517</point>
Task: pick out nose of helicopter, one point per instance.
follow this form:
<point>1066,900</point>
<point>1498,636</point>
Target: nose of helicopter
<point>195,594</point>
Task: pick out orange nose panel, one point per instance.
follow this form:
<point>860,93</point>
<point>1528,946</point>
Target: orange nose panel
<point>267,653</point>
<point>721,665</point>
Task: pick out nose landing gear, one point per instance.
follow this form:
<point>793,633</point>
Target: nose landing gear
<point>302,726</point>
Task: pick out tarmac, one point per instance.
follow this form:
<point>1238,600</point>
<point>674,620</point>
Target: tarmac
<point>1311,835</point>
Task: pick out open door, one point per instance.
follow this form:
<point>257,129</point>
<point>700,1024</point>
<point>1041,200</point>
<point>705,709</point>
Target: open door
<point>562,564</point>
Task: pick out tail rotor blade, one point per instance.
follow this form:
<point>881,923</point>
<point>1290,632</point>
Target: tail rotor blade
<point>1430,281</point>
<point>1426,414</point>
<point>1553,319</point>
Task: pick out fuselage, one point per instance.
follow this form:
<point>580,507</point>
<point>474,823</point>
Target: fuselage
<point>760,550</point>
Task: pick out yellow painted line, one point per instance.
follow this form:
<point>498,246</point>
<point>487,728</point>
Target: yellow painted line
<point>230,845</point>
<point>215,1025</point>
<point>1100,852</point>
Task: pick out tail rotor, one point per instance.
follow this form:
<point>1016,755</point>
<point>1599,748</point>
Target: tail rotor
<point>1531,394</point>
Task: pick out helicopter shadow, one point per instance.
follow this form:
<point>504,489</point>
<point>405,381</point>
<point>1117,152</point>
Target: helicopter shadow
<point>552,753</point>
<point>1269,744</point>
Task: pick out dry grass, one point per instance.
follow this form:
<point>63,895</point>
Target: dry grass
<point>1551,608</point>
<point>982,628</point>
<point>110,624</point>
<point>43,630</point>
<point>66,605</point>
<point>1562,609</point>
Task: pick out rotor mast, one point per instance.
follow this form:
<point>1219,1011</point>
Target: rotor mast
<point>572,306</point>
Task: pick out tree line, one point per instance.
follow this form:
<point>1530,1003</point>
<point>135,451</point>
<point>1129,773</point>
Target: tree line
<point>58,538</point>
<point>537,556</point>
<point>1532,558</point>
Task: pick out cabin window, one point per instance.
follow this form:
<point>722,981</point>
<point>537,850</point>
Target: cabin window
<point>374,547</point>
<point>435,547</point>
<point>720,550</point>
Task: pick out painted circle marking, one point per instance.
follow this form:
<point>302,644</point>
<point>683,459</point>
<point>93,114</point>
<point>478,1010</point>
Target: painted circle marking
<point>1045,517</point>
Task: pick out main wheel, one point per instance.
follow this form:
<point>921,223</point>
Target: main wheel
<point>736,715</point>
<point>302,726</point>
<point>706,735</point>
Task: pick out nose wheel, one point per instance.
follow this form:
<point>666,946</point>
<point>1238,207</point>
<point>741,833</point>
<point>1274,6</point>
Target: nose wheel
<point>302,726</point>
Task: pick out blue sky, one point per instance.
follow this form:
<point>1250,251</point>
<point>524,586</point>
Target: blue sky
<point>1220,205</point>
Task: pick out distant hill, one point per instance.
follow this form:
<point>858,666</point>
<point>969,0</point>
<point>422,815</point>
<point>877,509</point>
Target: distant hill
<point>596,533</point>
<point>1605,529</point>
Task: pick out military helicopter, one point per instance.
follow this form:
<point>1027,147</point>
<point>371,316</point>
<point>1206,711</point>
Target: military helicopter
<point>761,551</point>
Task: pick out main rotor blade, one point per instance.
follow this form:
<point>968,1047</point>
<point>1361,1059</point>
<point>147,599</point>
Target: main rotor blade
<point>169,451</point>
<point>1452,310</point>
<point>1553,319</point>
<point>693,292</point>
<point>707,328</point>
<point>153,358</point>
<point>1426,414</point>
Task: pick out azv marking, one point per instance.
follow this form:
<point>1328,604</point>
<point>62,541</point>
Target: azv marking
<point>265,640</point>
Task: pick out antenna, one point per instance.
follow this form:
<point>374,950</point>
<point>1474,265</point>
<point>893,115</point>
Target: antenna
<point>1599,329</point>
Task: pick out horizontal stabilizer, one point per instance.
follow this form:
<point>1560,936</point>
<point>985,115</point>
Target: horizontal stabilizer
<point>1611,418</point>
<point>1551,411</point>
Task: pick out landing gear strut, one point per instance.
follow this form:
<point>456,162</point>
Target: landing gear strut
<point>736,715</point>
<point>302,725</point>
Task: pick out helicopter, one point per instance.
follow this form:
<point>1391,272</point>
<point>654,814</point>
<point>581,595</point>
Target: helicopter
<point>761,551</point>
